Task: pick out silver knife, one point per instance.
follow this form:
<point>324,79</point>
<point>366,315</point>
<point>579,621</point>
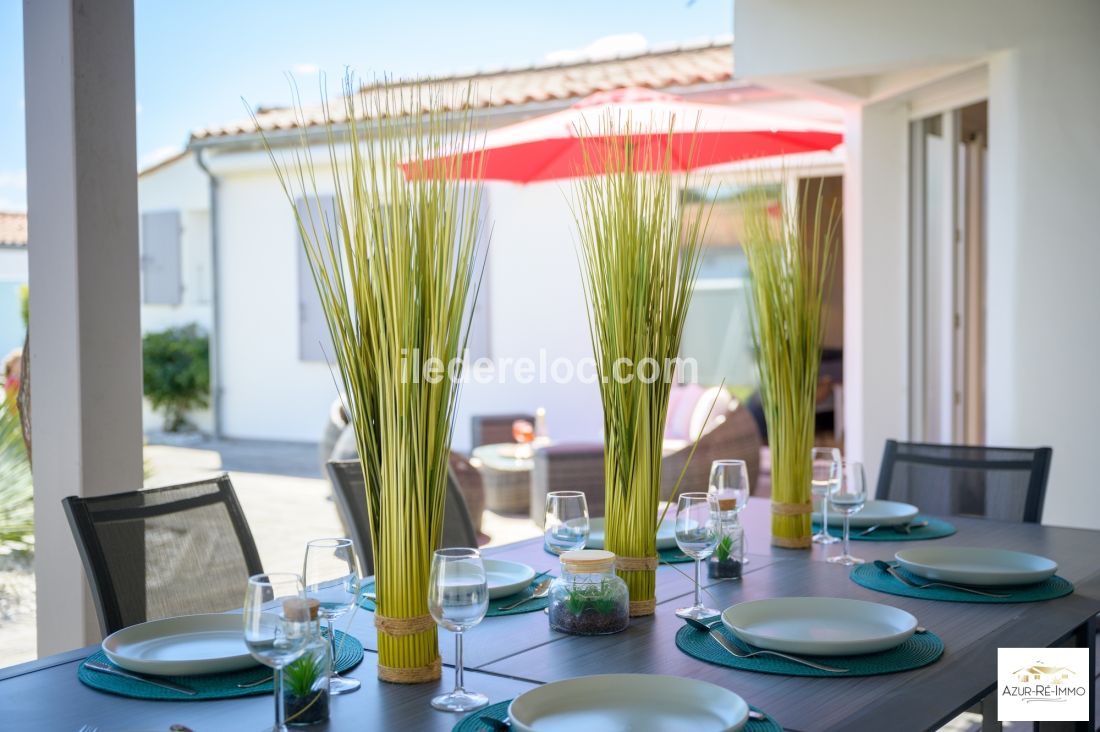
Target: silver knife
<point>105,669</point>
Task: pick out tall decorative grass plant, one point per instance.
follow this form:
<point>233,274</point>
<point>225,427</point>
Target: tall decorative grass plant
<point>791,255</point>
<point>396,269</point>
<point>640,257</point>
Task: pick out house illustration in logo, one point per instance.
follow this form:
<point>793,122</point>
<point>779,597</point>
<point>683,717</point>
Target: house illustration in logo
<point>1054,675</point>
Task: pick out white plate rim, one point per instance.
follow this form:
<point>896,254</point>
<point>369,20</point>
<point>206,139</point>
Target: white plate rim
<point>184,667</point>
<point>871,644</point>
<point>513,587</point>
<point>664,541</point>
<point>631,682</point>
<point>863,519</point>
<point>912,561</point>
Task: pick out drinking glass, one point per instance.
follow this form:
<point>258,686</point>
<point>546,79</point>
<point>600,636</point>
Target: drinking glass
<point>331,573</point>
<point>523,432</point>
<point>276,627</point>
<point>458,598</point>
<point>729,479</point>
<point>825,472</point>
<point>848,497</point>
<point>697,536</point>
<point>566,525</point>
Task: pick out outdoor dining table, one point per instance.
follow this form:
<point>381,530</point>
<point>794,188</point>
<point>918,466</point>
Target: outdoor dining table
<point>508,655</point>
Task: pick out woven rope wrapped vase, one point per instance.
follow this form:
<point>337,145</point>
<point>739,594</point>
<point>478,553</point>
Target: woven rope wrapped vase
<point>395,260</point>
<point>789,245</point>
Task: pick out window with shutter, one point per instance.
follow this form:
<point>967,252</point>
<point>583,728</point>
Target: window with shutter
<point>160,258</point>
<point>313,337</point>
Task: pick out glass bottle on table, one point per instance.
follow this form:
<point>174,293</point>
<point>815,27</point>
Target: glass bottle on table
<point>825,472</point>
<point>273,630</point>
<point>306,681</point>
<point>729,482</point>
<point>729,552</point>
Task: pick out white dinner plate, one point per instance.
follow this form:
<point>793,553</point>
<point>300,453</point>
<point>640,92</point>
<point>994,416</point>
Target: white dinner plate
<point>977,566</point>
<point>819,626</point>
<point>634,702</point>
<point>666,533</point>
<point>506,578</point>
<point>183,646</point>
<point>874,513</point>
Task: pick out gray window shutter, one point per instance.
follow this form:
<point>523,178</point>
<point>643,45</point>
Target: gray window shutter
<point>314,342</point>
<point>160,258</point>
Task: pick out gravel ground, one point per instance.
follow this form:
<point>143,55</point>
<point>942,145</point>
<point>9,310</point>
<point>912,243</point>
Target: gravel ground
<point>283,496</point>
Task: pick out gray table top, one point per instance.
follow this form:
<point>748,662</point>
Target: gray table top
<point>507,655</point>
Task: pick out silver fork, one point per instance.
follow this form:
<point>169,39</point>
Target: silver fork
<point>540,592</point>
<point>892,571</point>
<point>734,650</point>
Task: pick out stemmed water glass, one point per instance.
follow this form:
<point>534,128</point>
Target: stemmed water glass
<point>729,479</point>
<point>458,598</point>
<point>332,578</point>
<point>848,497</point>
<point>566,525</point>
<point>276,627</point>
<point>697,536</point>
<point>825,467</point>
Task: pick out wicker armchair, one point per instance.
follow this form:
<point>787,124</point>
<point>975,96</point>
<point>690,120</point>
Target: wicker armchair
<point>580,467</point>
<point>492,429</point>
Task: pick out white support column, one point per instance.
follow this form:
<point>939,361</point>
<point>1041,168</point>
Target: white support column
<point>84,285</point>
<point>876,282</point>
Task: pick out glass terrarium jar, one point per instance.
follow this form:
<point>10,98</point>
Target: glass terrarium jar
<point>588,598</point>
<point>729,554</point>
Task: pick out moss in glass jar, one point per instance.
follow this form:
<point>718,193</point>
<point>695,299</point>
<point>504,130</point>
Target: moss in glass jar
<point>588,599</point>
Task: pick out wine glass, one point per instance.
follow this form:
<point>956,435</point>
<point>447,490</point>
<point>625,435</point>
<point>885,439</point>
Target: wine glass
<point>848,497</point>
<point>729,480</point>
<point>276,626</point>
<point>458,598</point>
<point>697,536</point>
<point>523,432</point>
<point>566,525</point>
<point>825,472</point>
<point>331,574</point>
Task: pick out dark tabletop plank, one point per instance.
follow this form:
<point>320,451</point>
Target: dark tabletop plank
<point>500,637</point>
<point>54,700</point>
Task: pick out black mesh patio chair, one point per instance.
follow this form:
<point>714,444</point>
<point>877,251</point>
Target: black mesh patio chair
<point>1002,483</point>
<point>351,500</point>
<point>162,552</point>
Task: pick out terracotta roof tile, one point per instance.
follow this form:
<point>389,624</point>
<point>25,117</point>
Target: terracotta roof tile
<point>684,65</point>
<point>13,229</point>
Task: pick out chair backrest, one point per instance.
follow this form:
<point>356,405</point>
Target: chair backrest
<point>734,438</point>
<point>1002,483</point>
<point>351,500</point>
<point>492,429</point>
<point>156,553</point>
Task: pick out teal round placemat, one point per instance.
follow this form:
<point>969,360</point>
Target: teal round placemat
<point>876,579</point>
<point>937,528</point>
<point>499,711</point>
<point>920,650</point>
<point>496,607</point>
<point>672,555</point>
<point>349,652</point>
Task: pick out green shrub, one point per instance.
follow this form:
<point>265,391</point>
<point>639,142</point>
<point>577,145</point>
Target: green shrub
<point>176,367</point>
<point>16,493</point>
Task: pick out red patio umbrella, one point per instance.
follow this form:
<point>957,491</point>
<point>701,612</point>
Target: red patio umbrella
<point>551,147</point>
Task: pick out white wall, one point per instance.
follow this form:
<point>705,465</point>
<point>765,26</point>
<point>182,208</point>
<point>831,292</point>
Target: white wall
<point>1042,304</point>
<point>534,283</point>
<point>268,392</point>
<point>182,186</point>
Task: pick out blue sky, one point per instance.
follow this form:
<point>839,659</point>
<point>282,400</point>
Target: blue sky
<point>196,59</point>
